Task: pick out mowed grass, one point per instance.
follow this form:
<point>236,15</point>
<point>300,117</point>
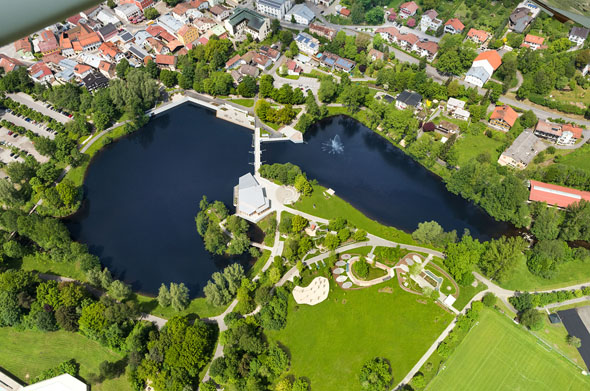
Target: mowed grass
<point>566,274</point>
<point>26,354</point>
<point>333,207</point>
<point>470,146</point>
<point>499,355</point>
<point>330,342</point>
<point>579,158</point>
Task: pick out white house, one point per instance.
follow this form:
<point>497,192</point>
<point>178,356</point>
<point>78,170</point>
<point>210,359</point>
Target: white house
<point>106,16</point>
<point>483,67</point>
<point>276,8</point>
<point>128,11</point>
<point>429,21</point>
<point>408,99</point>
<point>301,13</point>
<point>307,44</point>
<point>578,35</point>
<point>245,21</point>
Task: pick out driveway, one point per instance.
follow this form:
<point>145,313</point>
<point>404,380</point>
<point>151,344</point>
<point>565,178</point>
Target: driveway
<point>37,128</point>
<point>25,99</point>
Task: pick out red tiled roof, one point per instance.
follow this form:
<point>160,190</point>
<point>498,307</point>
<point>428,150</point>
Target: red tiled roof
<point>105,66</point>
<point>456,23</point>
<point>577,132</point>
<point>505,113</point>
<point>345,11</point>
<point>481,35</point>
<point>429,46</point>
<point>491,56</point>
<point>233,60</point>
<point>23,44</point>
<point>8,63</point>
<point>534,39</point>
<point>556,195</point>
<point>82,68</point>
<point>162,59</point>
<point>198,3</point>
<point>89,39</point>
<point>109,49</point>
<point>40,67</point>
<point>74,19</point>
<point>181,8</point>
<point>410,6</point>
<point>409,38</point>
<point>53,58</point>
<point>77,46</point>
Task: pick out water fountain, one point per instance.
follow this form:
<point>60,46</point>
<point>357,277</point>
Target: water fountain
<point>333,146</point>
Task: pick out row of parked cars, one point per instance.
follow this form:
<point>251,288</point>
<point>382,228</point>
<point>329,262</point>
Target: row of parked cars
<point>41,125</point>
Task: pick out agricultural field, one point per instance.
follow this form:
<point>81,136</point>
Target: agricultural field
<point>498,354</point>
<point>339,335</point>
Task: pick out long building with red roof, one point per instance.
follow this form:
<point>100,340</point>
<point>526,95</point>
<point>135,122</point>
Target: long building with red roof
<point>555,195</point>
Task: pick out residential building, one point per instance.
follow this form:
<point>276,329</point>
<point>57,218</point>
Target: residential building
<point>429,21</point>
<point>269,52</point>
<point>408,99</point>
<point>461,114</point>
<point>111,52</point>
<point>448,127</point>
<point>107,69</point>
<point>90,42</point>
<point>9,63</point>
<point>82,70</point>
<point>234,62</point>
<point>128,11</point>
<point>47,42</point>
<point>275,8</point>
<point>408,9</point>
<point>344,12</point>
<point>554,195</point>
<point>375,55</point>
<point>107,32</point>
<point>90,13</point>
<point>478,36</point>
<point>250,199</point>
<point>578,35</point>
<point>390,34</point>
<point>407,41</point>
<point>53,59</point>
<point>200,4</point>
<point>261,61</point>
<point>166,61</point>
<point>180,11</point>
<point>483,67</point>
<point>331,60</point>
<point>322,31</point>
<point>390,15</point>
<point>94,81</point>
<point>428,49</point>
<point>533,42</point>
<point>220,12</point>
<point>454,104</point>
<point>106,16</point>
<point>141,36</point>
<point>23,47</point>
<point>141,4</point>
<point>170,24</point>
<point>307,44</point>
<point>520,19</point>
<point>522,151</point>
<point>292,68</point>
<point>249,70</point>
<point>204,24</point>
<point>454,26</point>
<point>40,72</point>
<point>187,34</point>
<point>245,21</point>
<point>562,134</point>
<point>325,3</point>
<point>301,14</point>
<point>503,118</point>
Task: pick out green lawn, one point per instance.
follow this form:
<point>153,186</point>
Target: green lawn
<point>26,354</point>
<point>198,306</point>
<point>330,342</point>
<point>243,102</point>
<point>330,208</point>
<point>257,267</point>
<point>469,146</point>
<point>579,158</point>
<point>569,273</point>
<point>466,293</point>
<point>499,355</point>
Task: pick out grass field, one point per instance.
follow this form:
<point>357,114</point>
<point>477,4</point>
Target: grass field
<point>26,354</point>
<point>579,158</point>
<point>243,102</point>
<point>569,273</point>
<point>330,208</point>
<point>330,342</point>
<point>469,146</point>
<point>499,355</point>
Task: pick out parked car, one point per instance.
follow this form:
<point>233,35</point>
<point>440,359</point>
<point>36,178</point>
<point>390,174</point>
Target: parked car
<point>10,132</point>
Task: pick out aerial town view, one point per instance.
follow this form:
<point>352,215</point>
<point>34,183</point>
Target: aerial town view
<point>291,195</point>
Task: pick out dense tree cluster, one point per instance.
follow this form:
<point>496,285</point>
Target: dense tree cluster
<point>223,287</point>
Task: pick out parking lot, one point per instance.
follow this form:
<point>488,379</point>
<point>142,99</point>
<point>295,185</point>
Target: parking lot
<point>39,106</point>
<point>20,142</point>
<point>38,129</point>
<point>6,158</point>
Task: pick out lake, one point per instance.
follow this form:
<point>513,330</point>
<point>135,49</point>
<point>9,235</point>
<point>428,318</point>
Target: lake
<point>379,179</point>
<point>23,17</point>
<point>142,194</point>
<point>143,191</point>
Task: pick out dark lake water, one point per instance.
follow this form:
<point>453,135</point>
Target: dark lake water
<point>142,192</point>
<point>379,179</point>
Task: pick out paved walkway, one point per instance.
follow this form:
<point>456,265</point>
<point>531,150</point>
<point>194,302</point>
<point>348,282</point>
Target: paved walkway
<point>367,283</point>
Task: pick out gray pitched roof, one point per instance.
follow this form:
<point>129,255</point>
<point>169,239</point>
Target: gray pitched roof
<point>410,98</point>
<point>479,73</point>
<point>581,32</point>
<point>254,19</point>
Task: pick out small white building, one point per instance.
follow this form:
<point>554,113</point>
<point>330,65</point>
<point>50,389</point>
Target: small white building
<point>106,16</point>
<point>301,13</point>
<point>250,198</point>
<point>128,11</point>
<point>429,21</point>
<point>578,35</point>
